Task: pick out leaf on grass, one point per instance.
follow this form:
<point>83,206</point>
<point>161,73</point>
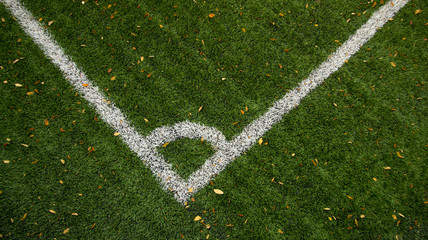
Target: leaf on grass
<point>280,231</point>
<point>50,23</point>
<point>349,197</point>
<point>218,191</point>
<point>113,78</point>
<point>200,109</point>
<point>109,70</point>
<point>260,141</point>
<point>23,217</point>
<point>190,189</point>
<point>394,217</point>
<point>399,155</point>
<point>62,161</point>
<point>18,85</point>
<point>85,84</point>
<point>197,218</point>
<point>386,168</point>
<point>418,11</point>
<point>30,93</point>
<point>243,29</point>
<point>46,122</point>
<point>6,161</point>
<point>116,134</point>
<point>66,231</point>
<point>74,214</point>
<point>393,64</point>
<point>242,112</point>
<point>165,144</point>
<point>52,211</point>
<point>16,60</point>
<point>211,15</point>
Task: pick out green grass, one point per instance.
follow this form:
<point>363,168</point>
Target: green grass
<point>352,126</point>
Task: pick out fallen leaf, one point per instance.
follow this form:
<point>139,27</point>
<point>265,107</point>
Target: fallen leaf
<point>66,231</point>
<point>150,75</point>
<point>6,161</point>
<point>190,189</point>
<point>23,217</point>
<point>18,85</point>
<point>93,225</point>
<point>165,144</point>
<point>116,134</point>
<point>46,122</point>
<point>62,161</point>
<point>85,84</point>
<point>74,214</point>
<point>242,112</point>
<point>211,15</point>
<point>399,155</point>
<point>260,141</point>
<point>197,218</point>
<point>386,168</point>
<point>113,78</point>
<point>218,191</point>
<point>327,209</point>
<point>50,23</point>
<point>349,197</point>
<point>243,29</point>
<point>52,211</point>
<point>109,70</point>
<point>375,179</point>
<point>393,64</point>
<point>30,93</point>
<point>280,231</point>
<point>200,109</point>
<point>394,217</point>
<point>60,181</point>
<point>16,60</point>
<point>418,11</point>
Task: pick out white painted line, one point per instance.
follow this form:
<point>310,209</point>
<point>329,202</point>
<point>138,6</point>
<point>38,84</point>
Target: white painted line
<point>226,151</point>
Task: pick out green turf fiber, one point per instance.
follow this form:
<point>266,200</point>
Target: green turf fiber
<point>319,174</point>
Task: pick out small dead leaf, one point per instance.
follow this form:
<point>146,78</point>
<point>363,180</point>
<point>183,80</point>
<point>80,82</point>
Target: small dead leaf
<point>6,161</point>
<point>113,78</point>
<point>60,181</point>
<point>200,109</point>
<point>74,214</point>
<point>85,84</point>
<point>145,119</point>
<point>52,211</point>
<point>93,225</point>
<point>66,231</point>
<point>30,93</point>
<point>46,122</point>
<point>16,60</point>
<point>349,197</point>
<point>165,144</point>
<point>418,11</point>
<point>211,15</point>
<point>218,191</point>
<point>62,161</point>
<point>242,112</point>
<point>109,70</point>
<point>190,189</point>
<point>327,209</point>
<point>399,155</point>
<point>393,64</point>
<point>387,168</point>
<point>394,217</point>
<point>280,231</point>
<point>243,29</point>
<point>150,75</point>
<point>18,85</point>
<point>23,217</point>
<point>260,141</point>
<point>116,134</point>
<point>50,23</point>
<point>197,218</point>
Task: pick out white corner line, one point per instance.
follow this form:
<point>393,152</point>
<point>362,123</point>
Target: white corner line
<point>226,151</point>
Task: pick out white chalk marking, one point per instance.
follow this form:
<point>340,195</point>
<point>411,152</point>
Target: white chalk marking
<point>226,151</point>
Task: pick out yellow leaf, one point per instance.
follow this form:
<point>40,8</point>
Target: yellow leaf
<point>50,22</point>
<point>218,191</point>
<point>66,231</point>
<point>280,231</point>
<point>116,134</point>
<point>394,217</point>
<point>418,11</point>
<point>386,168</point>
<point>145,119</point>
<point>165,144</point>
<point>211,15</point>
<point>242,112</point>
<point>260,141</point>
<point>23,217</point>
<point>46,122</point>
<point>30,93</point>
<point>243,29</point>
<point>197,218</point>
<point>393,64</point>
<point>6,161</point>
<point>62,161</point>
<point>85,84</point>
<point>349,197</point>
<point>200,109</point>
<point>190,189</point>
<point>161,26</point>
<point>375,179</point>
<point>60,181</point>
<point>52,211</point>
<point>399,155</point>
<point>15,61</point>
<point>280,14</point>
<point>74,214</point>
<point>18,85</point>
<point>113,78</point>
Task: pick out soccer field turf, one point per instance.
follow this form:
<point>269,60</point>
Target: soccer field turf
<point>347,162</point>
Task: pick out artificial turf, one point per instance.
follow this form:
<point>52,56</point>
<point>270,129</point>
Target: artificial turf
<point>348,163</point>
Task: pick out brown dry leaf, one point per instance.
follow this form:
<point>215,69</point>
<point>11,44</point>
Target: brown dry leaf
<point>218,191</point>
<point>393,64</point>
<point>66,231</point>
<point>150,75</point>
<point>197,218</point>
<point>18,85</point>
<point>109,70</point>
<point>116,134</point>
<point>52,211</point>
<point>211,15</point>
<point>399,155</point>
<point>46,122</point>
<point>113,78</point>
<point>260,141</point>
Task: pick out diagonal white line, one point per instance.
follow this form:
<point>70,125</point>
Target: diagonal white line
<point>227,151</point>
